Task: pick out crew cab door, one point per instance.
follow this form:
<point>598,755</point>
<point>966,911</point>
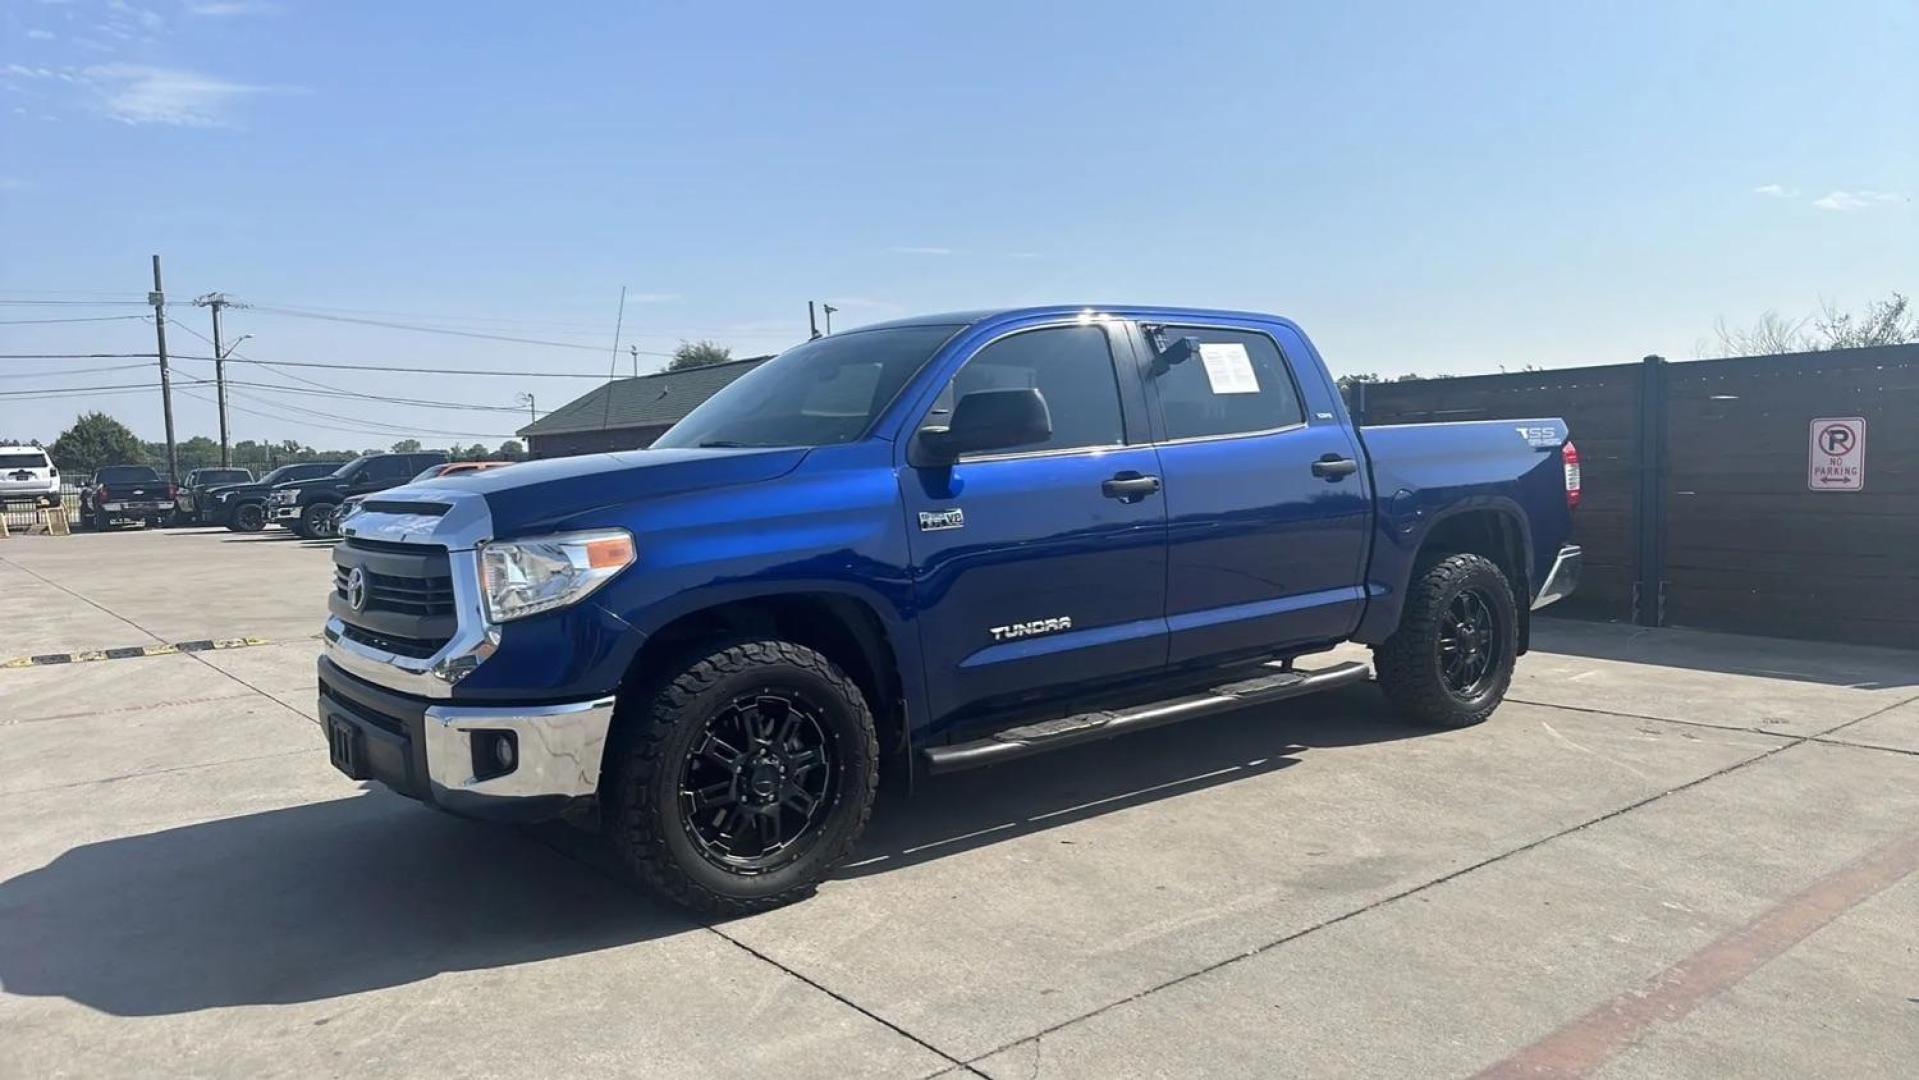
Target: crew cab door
<point>1267,500</point>
<point>1041,571</point>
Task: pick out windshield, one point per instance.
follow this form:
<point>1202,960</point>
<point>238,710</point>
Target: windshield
<point>823,392</point>
<point>352,468</point>
<point>127,474</point>
<point>428,473</point>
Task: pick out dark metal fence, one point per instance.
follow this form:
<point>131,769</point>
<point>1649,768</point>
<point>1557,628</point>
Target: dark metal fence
<point>1698,508</point>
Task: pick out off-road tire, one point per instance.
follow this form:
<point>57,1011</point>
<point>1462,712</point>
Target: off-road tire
<point>660,726</point>
<point>1408,664</point>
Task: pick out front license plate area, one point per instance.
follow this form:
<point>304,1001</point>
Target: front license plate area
<point>345,749</point>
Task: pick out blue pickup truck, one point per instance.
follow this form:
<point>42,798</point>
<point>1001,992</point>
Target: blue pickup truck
<point>926,545</point>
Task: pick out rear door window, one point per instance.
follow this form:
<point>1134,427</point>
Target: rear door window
<point>1236,384</point>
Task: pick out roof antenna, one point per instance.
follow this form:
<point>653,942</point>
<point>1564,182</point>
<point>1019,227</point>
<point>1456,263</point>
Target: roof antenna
<point>619,322</point>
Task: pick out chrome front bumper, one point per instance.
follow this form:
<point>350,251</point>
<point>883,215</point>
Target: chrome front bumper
<point>1562,579</point>
<point>421,744</point>
<point>558,752</point>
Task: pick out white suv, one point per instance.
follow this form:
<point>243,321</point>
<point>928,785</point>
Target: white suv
<point>26,473</point>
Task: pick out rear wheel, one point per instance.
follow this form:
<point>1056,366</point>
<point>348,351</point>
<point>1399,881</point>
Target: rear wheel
<point>1451,660</point>
<point>738,783</point>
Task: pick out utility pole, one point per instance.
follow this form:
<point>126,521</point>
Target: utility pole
<point>527,400</point>
<point>635,350</point>
<point>829,309</point>
<point>812,322</point>
<point>158,298</point>
<point>217,301</point>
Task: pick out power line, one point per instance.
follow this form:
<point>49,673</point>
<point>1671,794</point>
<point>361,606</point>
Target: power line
<point>86,356</point>
<point>85,318</point>
<point>58,373</point>
<point>374,397</point>
<point>74,303</point>
<point>390,429</point>
<point>294,313</point>
<point>337,391</point>
<point>57,391</point>
<point>389,368</point>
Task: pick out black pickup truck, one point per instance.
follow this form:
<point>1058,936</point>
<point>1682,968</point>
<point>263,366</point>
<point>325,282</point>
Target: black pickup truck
<point>191,507</point>
<point>127,493</point>
<point>311,508</point>
<point>243,507</point>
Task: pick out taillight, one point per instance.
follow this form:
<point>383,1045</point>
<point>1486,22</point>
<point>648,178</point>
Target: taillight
<point>1569,454</point>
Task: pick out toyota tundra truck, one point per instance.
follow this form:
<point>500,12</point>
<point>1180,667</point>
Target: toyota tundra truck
<point>924,546</point>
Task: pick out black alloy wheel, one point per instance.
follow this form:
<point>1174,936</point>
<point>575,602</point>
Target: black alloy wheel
<point>1470,644</point>
<point>249,517</point>
<point>759,782</point>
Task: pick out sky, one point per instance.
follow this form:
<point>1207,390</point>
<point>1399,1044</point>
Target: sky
<point>1426,188</point>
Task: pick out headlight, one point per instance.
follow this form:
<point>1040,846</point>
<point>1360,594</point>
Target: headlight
<point>525,577</point>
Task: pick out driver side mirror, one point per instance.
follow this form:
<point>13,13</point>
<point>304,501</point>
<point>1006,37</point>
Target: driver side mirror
<point>986,420</point>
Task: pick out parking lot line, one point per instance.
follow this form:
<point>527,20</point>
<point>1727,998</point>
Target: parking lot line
<point>128,652</point>
<point>1597,1037</point>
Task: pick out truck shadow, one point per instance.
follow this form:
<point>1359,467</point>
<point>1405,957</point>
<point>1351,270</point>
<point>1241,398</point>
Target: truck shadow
<point>950,814</point>
<point>334,898</point>
<point>301,904</point>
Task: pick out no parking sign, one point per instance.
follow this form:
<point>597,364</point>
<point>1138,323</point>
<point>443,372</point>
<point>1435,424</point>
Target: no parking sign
<point>1836,460</point>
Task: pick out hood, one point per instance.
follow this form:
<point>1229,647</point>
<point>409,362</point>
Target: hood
<point>313,482</point>
<point>535,495</point>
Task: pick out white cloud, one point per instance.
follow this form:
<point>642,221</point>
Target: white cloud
<point>920,250</point>
<point>148,18</point>
<point>218,8</point>
<point>136,94</point>
<point>1856,200</point>
<point>39,35</point>
<point>1023,255</point>
<point>1776,191</point>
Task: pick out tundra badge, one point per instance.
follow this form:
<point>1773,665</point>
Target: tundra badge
<point>1029,629</point>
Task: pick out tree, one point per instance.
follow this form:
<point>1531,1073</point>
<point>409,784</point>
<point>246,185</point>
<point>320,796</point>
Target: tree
<point>692,354</point>
<point>407,446</point>
<point>96,440</point>
<point>1884,322</point>
<point>511,450</point>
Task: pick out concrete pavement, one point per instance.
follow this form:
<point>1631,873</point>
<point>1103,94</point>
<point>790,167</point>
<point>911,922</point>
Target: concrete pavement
<point>1718,826</point>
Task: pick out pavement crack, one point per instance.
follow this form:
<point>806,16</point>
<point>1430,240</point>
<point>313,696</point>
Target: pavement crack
<point>956,1063</point>
<point>1792,741</point>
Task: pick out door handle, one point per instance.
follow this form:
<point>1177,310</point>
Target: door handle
<point>1129,487</point>
<point>1332,468</point>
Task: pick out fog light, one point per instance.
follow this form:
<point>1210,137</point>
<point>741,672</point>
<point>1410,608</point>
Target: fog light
<point>495,753</point>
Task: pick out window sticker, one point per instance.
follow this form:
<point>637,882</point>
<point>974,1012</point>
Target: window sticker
<point>1228,369</point>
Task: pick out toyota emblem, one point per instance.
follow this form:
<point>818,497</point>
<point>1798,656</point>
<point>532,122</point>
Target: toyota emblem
<point>356,589</point>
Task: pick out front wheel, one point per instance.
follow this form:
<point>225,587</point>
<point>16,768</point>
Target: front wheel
<point>319,521</point>
<point>736,784</point>
<point>248,517</point>
<point>1451,660</point>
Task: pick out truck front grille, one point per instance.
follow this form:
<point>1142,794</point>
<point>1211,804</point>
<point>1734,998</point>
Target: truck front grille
<point>409,606</point>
